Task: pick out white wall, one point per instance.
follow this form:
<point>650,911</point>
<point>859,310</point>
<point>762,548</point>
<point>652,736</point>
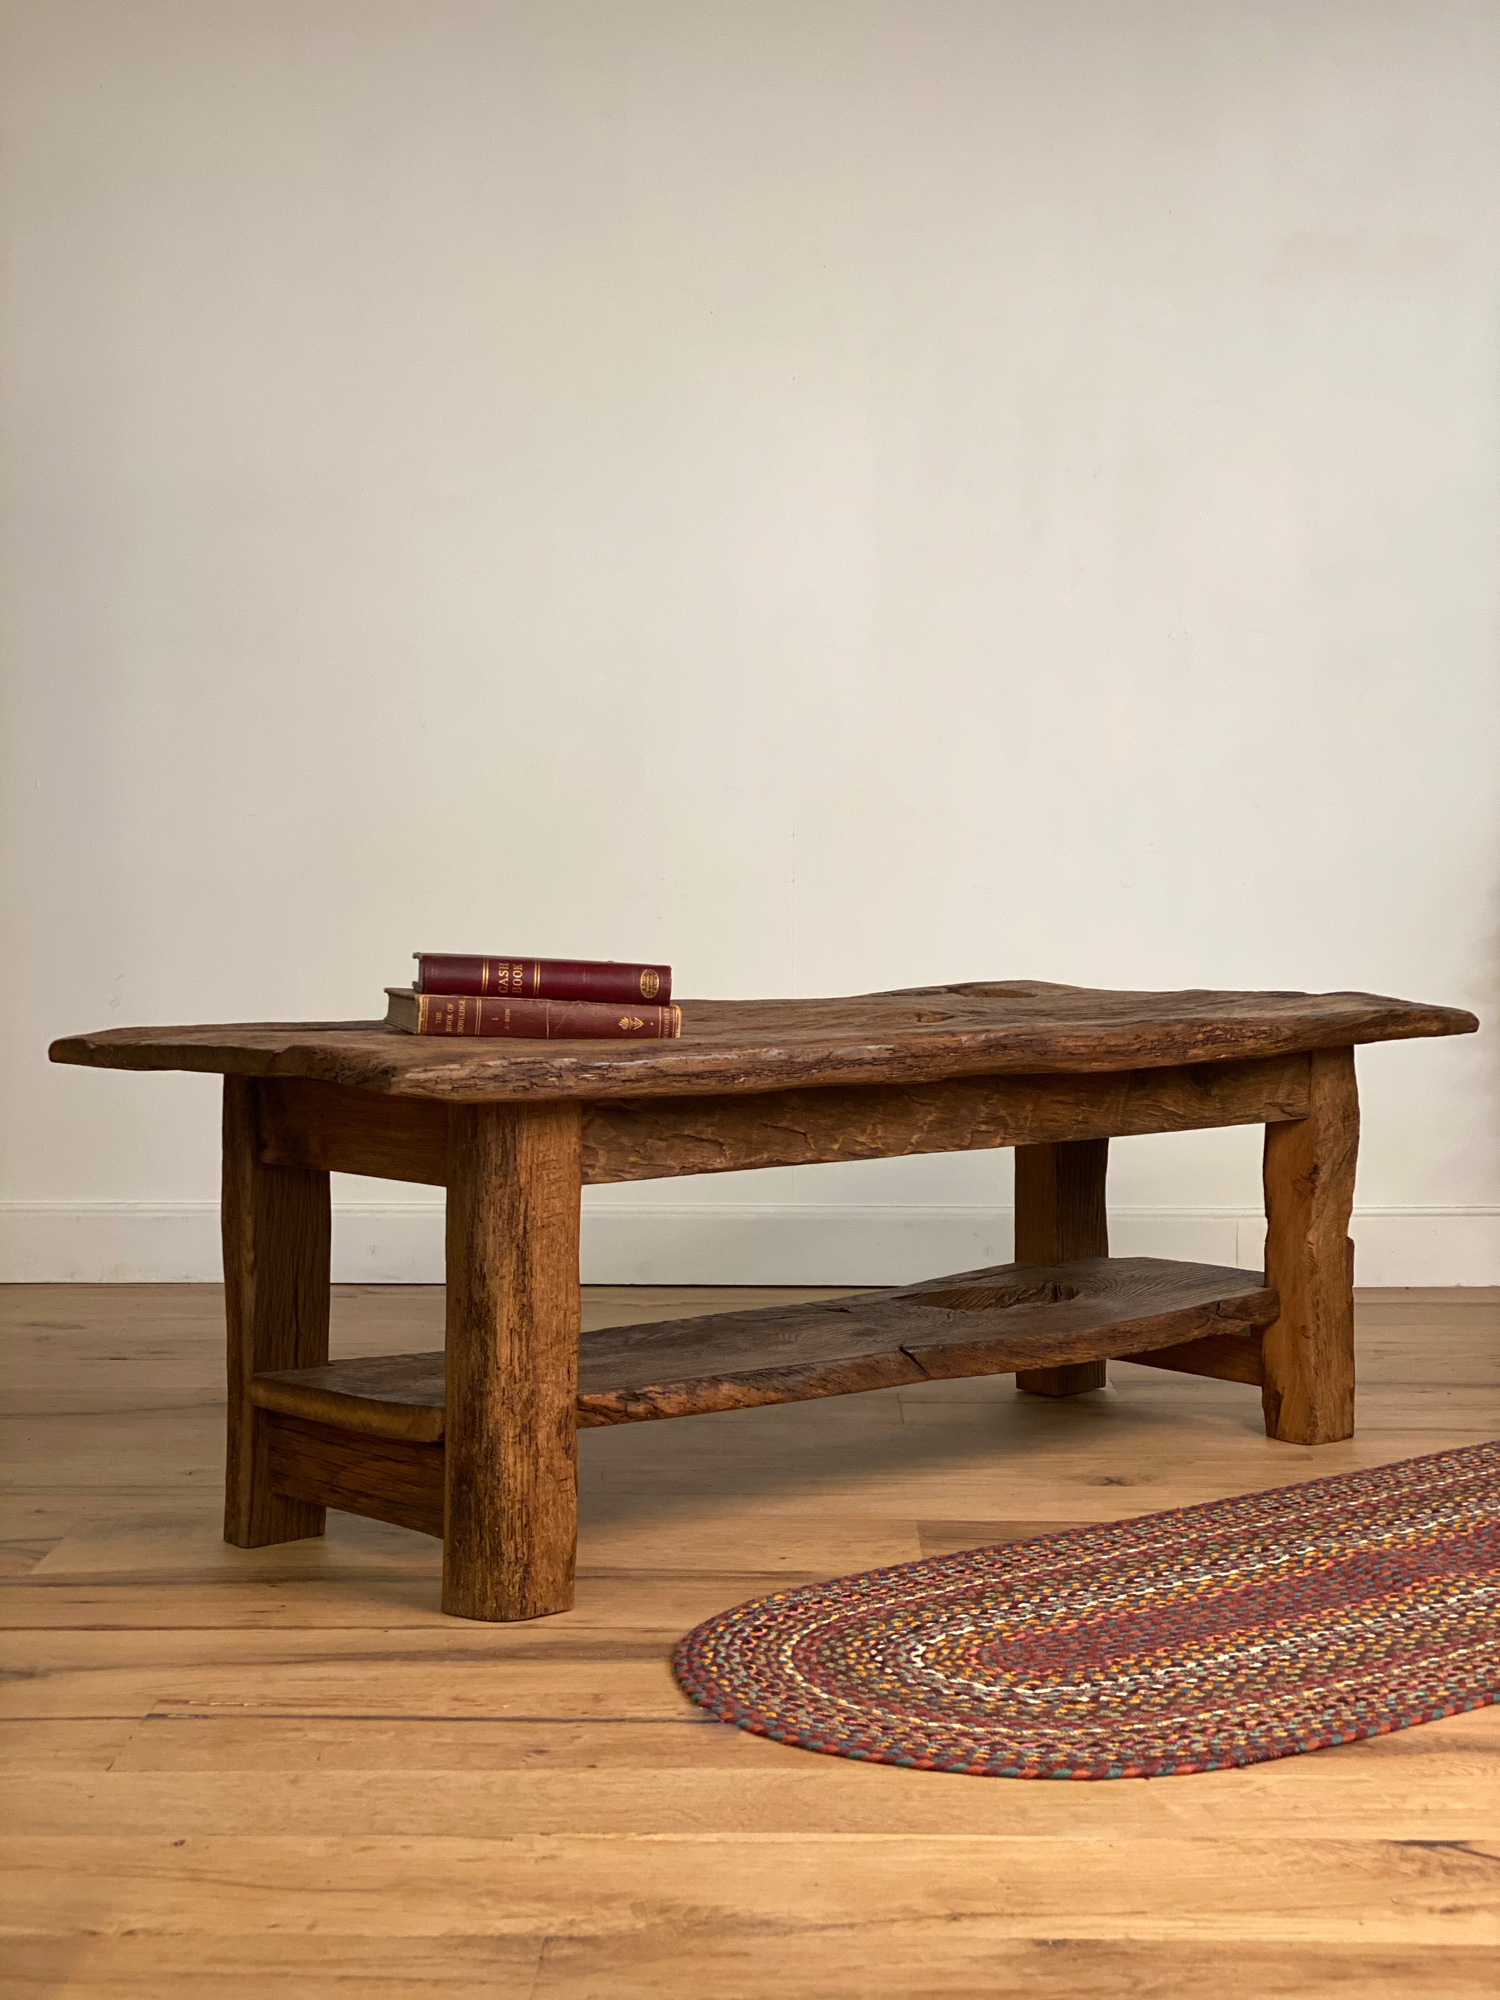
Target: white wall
<point>833,494</point>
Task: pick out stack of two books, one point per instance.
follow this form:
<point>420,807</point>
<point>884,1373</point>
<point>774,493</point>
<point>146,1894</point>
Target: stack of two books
<point>543,999</point>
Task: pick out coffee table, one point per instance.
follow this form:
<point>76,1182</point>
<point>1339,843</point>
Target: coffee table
<point>478,1444</point>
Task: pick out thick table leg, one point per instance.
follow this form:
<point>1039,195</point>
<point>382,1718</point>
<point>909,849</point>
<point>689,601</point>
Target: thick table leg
<point>514,1181</point>
<point>276,1242</point>
<point>1060,1216</point>
<point>1308,1355</point>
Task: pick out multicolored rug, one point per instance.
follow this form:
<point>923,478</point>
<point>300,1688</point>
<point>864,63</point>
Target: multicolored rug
<point>1211,1636</point>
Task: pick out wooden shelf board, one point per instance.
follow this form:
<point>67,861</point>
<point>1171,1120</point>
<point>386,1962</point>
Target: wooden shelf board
<point>990,1322</point>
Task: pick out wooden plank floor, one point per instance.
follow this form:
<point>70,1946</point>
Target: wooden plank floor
<point>238,1774</point>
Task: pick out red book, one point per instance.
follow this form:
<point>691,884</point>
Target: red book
<point>535,1020</point>
<point>541,978</point>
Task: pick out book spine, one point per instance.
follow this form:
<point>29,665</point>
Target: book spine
<point>545,1020</point>
<point>542,978</point>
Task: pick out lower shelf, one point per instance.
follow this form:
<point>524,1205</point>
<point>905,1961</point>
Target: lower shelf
<point>1203,1318</point>
<point>367,1436</point>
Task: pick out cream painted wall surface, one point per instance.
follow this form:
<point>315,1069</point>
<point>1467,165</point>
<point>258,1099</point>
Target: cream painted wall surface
<point>833,495</point>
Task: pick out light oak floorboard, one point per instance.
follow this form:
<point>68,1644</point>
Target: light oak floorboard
<point>233,1772</point>
<point>932,1961</point>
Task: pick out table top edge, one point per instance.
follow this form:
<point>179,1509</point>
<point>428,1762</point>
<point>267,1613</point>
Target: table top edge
<point>359,1053</point>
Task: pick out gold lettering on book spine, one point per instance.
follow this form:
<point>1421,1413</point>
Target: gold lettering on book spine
<point>650,982</point>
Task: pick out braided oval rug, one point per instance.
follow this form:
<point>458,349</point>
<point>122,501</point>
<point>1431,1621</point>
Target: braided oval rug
<point>1188,1641</point>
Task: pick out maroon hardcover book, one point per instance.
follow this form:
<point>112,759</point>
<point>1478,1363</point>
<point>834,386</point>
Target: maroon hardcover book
<point>541,978</point>
<point>534,1020</point>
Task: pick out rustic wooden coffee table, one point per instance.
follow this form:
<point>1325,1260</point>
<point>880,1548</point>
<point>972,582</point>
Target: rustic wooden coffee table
<point>486,1458</point>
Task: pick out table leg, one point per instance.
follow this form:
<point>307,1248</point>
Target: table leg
<point>276,1247</point>
<point>1308,1354</point>
<point>514,1183</point>
<point>1060,1216</point>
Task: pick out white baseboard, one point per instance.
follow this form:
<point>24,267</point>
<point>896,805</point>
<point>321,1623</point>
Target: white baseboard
<point>743,1244</point>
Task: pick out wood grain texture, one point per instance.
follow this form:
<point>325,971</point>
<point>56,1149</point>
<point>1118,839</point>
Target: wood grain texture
<point>1060,1215</point>
<point>378,1395</point>
<point>1308,1352</point>
<point>347,1131</point>
<point>276,1228</point>
<point>232,1774</point>
<point>513,1318</point>
<point>977,1323</point>
<point>729,1951</point>
<point>788,1128</point>
<point>1123,1305</point>
<point>986,1027</point>
<point>1227,1357</point>
<point>383,1478</point>
<point>330,1125</point>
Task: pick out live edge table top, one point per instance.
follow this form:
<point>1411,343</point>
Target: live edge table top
<point>1015,1027</point>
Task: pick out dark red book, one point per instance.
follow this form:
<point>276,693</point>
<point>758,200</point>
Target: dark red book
<point>541,978</point>
<point>533,1020</point>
